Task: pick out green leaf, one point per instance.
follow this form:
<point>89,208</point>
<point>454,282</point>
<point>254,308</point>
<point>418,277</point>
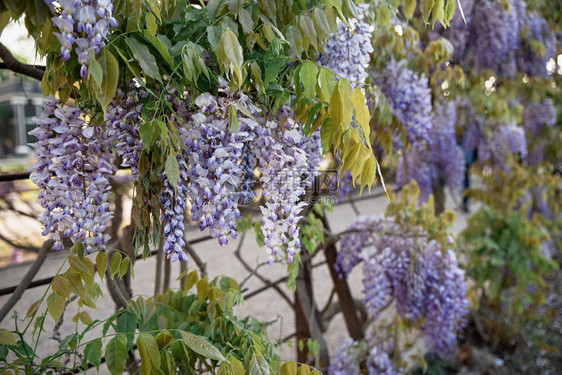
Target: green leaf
<point>229,55</point>
<point>114,265</point>
<point>201,346</point>
<point>294,37</point>
<point>101,263</point>
<point>173,169</point>
<point>127,324</point>
<point>246,21</point>
<point>321,21</point>
<point>151,26</point>
<point>306,26</point>
<point>124,267</point>
<point>308,76</point>
<point>258,365</point>
<point>55,306</point>
<point>214,34</point>
<point>95,70</point>
<point>149,353</point>
<point>108,87</point>
<point>449,11</point>
<point>426,6</point>
<point>116,354</point>
<point>92,354</point>
<point>438,11</point>
<point>161,47</point>
<point>61,286</point>
<point>409,7</point>
<point>256,77</point>
<point>232,118</point>
<point>146,60</point>
<point>7,338</point>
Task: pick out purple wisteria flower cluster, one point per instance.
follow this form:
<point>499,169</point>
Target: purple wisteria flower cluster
<point>283,164</point>
<point>495,36</point>
<point>500,38</point>
<point>506,138</point>
<point>221,164</point>
<point>538,117</point>
<point>349,354</point>
<point>74,162</point>
<point>409,98</point>
<point>405,267</point>
<point>439,162</point>
<point>173,201</point>
<point>122,119</point>
<point>347,53</point>
<point>213,152</point>
<point>529,60</point>
<point>84,24</point>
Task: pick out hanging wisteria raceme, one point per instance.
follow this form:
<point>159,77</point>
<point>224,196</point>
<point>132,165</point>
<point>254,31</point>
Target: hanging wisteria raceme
<point>409,98</point>
<point>347,53</point>
<point>441,162</point>
<point>122,120</point>
<point>445,304</point>
<point>221,165</point>
<point>495,36</point>
<point>349,355</point>
<point>84,24</point>
<point>284,169</point>
<point>379,363</point>
<point>538,117</point>
<point>74,162</point>
<point>532,58</point>
<point>404,266</point>
<point>213,155</point>
<point>505,138</point>
<point>345,360</point>
<point>173,200</point>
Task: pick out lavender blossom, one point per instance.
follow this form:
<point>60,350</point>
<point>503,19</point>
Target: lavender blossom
<point>74,162</point>
<point>85,24</point>
<point>409,98</point>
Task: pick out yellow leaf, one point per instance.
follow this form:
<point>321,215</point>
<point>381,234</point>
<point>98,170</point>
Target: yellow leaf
<point>341,108</point>
<point>202,289</point>
<point>409,7</point>
<point>101,263</point>
<point>55,305</point>
<point>61,286</point>
<point>7,338</point>
<point>33,309</point>
<point>362,114</point>
<point>368,173</point>
<point>190,280</point>
<point>85,318</point>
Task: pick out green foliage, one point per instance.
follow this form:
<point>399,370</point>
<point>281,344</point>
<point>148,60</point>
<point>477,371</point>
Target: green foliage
<point>174,332</point>
<point>505,261</point>
<point>406,211</point>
